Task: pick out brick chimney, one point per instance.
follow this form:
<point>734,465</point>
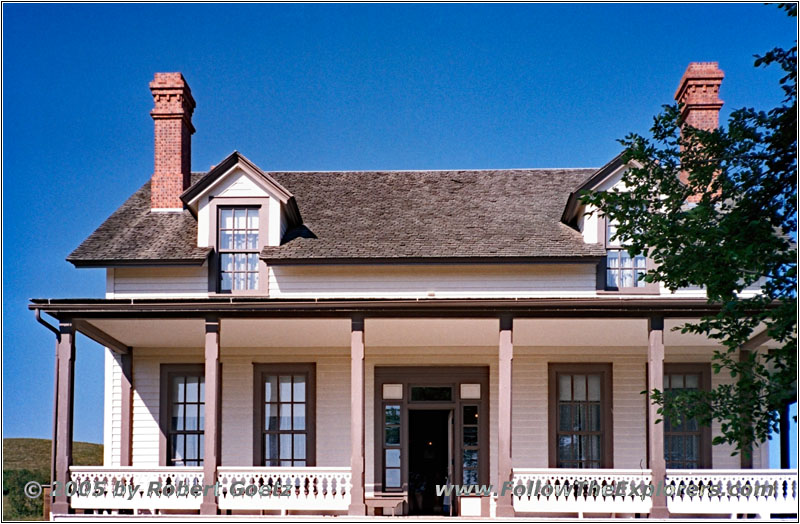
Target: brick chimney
<point>699,94</point>
<point>173,140</point>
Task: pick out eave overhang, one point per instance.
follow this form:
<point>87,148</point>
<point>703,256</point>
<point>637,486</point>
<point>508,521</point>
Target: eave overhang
<point>150,262</point>
<point>253,307</point>
<point>292,261</point>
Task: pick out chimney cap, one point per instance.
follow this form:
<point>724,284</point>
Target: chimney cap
<point>706,73</point>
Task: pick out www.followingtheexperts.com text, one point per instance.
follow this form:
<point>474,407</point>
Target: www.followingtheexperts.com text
<point>618,489</point>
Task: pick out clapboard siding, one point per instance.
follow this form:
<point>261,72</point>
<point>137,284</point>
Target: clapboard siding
<point>414,281</point>
<point>333,400</point>
<point>112,409</point>
<point>529,406</point>
<point>530,403</point>
<point>159,282</point>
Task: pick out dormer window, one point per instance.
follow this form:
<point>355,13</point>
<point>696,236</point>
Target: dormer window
<point>238,248</point>
<point>622,270</point>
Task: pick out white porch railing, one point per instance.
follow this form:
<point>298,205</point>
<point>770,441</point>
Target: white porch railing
<point>282,488</point>
<point>580,491</point>
<point>732,492</point>
<point>134,488</point>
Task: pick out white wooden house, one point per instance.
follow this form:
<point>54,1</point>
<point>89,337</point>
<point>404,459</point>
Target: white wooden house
<point>350,340</point>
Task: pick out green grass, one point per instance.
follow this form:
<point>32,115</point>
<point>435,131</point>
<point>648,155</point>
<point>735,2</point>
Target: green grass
<point>26,459</point>
<point>34,454</point>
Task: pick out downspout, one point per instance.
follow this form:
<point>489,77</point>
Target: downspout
<point>55,397</point>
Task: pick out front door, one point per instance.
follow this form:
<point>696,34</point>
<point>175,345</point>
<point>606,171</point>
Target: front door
<point>431,429</point>
<point>429,449</point>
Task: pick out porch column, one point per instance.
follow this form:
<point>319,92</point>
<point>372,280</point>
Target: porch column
<point>655,432</point>
<point>126,411</point>
<point>62,433</point>
<point>505,358</point>
<point>357,506</point>
<point>211,451</point>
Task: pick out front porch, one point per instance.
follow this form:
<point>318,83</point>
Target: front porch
<point>353,353</point>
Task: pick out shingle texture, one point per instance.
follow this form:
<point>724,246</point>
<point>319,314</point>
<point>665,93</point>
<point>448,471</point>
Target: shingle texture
<point>378,215</point>
<point>433,214</point>
<point>135,234</point>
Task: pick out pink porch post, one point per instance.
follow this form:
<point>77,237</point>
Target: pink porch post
<point>126,410</point>
<point>357,505</point>
<point>62,433</point>
<point>504,468</point>
<point>213,400</point>
<point>655,432</point>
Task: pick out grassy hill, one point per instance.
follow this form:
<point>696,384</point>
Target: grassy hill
<point>34,454</point>
<point>26,459</point>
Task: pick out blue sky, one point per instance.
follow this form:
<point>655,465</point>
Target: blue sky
<point>316,87</point>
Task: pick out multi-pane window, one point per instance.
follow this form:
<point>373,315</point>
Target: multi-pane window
<point>470,445</point>
<point>685,441</point>
<point>581,432</point>
<point>286,436</point>
<point>391,447</point>
<point>622,270</point>
<point>186,419</point>
<point>238,248</point>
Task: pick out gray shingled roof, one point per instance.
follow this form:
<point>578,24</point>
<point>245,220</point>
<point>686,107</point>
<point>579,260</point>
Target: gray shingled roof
<point>378,215</point>
<point>433,214</point>
<point>133,234</point>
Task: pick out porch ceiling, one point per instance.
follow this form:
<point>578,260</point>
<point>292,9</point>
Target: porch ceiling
<point>164,333</point>
<point>393,332</point>
<point>149,332</point>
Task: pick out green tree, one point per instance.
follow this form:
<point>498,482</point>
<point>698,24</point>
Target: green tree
<point>739,234</point>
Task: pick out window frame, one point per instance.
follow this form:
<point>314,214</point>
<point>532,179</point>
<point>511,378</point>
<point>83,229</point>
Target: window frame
<point>606,403</point>
<point>649,288</point>
<point>704,370</point>
<point>214,274</point>
<point>260,370</point>
<point>168,371</point>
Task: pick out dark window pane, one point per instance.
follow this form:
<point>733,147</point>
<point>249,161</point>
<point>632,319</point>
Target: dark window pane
<point>594,417</point>
<point>177,417</point>
<point>470,415</point>
<point>564,416</point>
<point>272,445</point>
<point>393,436</point>
<point>471,436</point>
<point>565,448</point>
<point>426,393</point>
<point>271,416</point>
